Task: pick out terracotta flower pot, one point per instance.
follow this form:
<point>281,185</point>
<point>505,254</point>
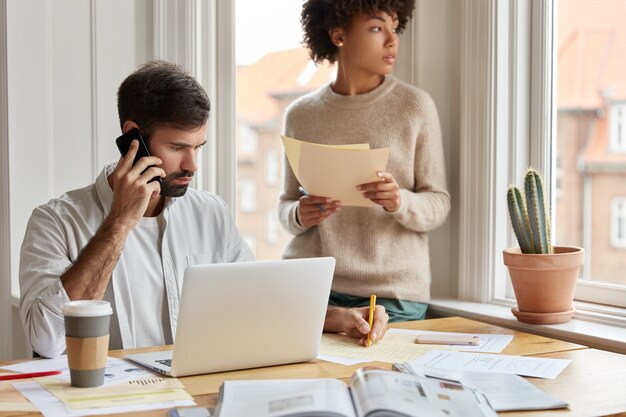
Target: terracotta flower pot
<point>544,285</point>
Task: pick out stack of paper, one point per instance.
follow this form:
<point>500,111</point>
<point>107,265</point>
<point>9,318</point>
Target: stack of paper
<point>507,364</point>
<point>504,390</point>
<point>397,346</point>
<point>127,388</point>
<point>335,170</point>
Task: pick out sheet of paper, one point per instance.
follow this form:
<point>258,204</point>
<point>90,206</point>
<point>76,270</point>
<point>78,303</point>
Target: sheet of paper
<point>340,360</point>
<point>335,171</point>
<point>50,406</point>
<point>139,391</point>
<point>505,392</point>
<point>292,150</point>
<point>117,370</point>
<point>394,347</point>
<point>12,400</point>
<point>484,362</point>
<point>489,343</point>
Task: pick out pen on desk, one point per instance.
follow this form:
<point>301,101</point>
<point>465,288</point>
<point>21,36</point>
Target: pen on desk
<point>24,375</point>
<point>303,192</point>
<point>371,317</point>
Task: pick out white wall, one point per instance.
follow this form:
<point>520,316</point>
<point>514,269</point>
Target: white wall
<point>66,59</point>
<point>438,40</point>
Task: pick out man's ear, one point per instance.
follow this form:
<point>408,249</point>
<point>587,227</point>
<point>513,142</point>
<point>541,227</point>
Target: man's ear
<point>336,36</point>
<point>129,125</point>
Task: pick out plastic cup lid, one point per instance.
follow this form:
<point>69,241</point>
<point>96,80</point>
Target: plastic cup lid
<point>87,308</point>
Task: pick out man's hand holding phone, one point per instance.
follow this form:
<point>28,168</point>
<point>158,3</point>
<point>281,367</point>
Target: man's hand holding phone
<point>134,185</point>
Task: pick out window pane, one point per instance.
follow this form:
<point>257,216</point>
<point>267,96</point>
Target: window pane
<point>591,104</point>
<point>273,70</point>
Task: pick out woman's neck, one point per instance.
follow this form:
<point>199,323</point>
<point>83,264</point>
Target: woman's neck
<point>352,83</point>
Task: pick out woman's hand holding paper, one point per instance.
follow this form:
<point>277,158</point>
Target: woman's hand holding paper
<point>384,192</point>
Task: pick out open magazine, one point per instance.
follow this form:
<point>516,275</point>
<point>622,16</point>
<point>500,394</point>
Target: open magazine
<point>371,393</point>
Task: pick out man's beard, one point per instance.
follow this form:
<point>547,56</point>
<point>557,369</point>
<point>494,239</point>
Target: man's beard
<point>169,189</point>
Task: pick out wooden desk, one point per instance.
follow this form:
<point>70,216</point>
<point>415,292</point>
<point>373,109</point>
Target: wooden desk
<point>593,384</point>
<point>582,384</point>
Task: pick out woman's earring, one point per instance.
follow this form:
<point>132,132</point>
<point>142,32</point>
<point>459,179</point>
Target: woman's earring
<point>340,44</point>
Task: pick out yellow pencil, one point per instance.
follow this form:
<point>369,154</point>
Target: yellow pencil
<point>371,319</point>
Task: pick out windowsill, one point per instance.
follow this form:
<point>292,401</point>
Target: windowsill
<point>603,336</point>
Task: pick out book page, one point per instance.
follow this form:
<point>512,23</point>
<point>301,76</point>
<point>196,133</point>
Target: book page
<point>382,392</point>
<point>297,397</point>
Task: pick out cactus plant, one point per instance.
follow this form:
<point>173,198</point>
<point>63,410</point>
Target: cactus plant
<point>529,217</point>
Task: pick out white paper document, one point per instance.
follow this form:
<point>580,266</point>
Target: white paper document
<point>340,359</point>
<point>117,370</point>
<point>51,406</point>
<point>335,170</point>
<point>482,362</point>
<point>492,343</point>
<point>505,392</point>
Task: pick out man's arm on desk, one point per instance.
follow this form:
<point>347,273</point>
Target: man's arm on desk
<point>353,322</point>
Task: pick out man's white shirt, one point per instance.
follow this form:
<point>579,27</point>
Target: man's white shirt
<point>196,228</point>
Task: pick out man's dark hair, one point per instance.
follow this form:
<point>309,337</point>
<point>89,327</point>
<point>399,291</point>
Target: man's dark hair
<point>162,94</point>
<point>320,16</point>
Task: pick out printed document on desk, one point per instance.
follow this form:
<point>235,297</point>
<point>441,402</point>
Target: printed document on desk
<point>51,406</point>
<point>139,391</point>
<point>483,362</point>
<point>505,392</point>
<point>335,171</point>
<point>117,370</point>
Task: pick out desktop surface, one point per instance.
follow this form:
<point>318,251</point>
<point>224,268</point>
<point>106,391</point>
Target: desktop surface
<point>588,384</point>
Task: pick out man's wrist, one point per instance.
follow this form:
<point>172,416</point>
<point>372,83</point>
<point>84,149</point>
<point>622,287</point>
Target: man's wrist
<point>116,225</point>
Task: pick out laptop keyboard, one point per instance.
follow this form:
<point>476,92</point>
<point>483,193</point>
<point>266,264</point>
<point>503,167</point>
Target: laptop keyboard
<point>166,362</point>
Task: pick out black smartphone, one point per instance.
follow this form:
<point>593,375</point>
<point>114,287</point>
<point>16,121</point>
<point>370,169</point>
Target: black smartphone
<point>123,144</point>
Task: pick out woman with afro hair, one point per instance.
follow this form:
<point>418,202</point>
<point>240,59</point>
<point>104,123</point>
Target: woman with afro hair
<point>381,250</point>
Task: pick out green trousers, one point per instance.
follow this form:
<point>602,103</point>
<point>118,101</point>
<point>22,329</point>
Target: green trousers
<point>398,310</point>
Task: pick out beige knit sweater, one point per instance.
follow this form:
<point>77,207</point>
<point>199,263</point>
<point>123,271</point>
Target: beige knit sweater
<point>377,252</point>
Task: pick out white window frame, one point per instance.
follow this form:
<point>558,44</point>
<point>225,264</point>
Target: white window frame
<point>271,170</point>
<point>6,327</point>
<point>507,121</point>
<point>271,227</point>
<point>618,218</point>
<point>247,194</point>
<point>617,120</point>
<point>248,139</point>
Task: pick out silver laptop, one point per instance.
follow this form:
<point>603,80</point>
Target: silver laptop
<point>247,315</point>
